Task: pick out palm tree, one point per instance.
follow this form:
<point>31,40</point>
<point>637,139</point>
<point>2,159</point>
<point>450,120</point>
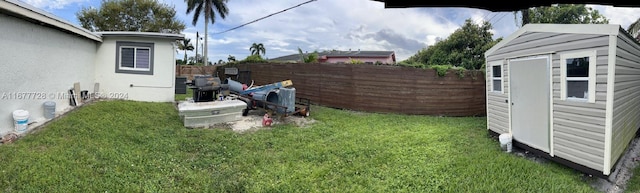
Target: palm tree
<point>209,8</point>
<point>257,48</point>
<point>634,28</point>
<point>185,45</point>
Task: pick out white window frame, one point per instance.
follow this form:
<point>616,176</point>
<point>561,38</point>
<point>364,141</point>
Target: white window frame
<point>501,78</point>
<point>135,59</point>
<point>591,79</point>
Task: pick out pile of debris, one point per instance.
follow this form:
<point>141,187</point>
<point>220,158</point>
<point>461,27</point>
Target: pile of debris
<point>216,102</point>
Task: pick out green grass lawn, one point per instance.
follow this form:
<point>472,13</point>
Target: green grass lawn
<point>142,147</point>
<point>634,183</point>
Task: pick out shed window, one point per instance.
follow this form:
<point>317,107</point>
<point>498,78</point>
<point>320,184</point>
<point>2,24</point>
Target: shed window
<point>578,76</point>
<point>134,58</point>
<point>496,78</point>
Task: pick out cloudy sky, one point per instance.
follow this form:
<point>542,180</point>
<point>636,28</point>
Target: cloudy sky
<point>329,24</point>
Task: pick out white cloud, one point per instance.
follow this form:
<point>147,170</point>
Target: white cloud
<point>320,25</point>
<point>52,4</point>
<point>623,16</point>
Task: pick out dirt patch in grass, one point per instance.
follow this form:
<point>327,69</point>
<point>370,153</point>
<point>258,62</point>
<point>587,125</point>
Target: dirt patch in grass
<point>621,177</point>
<point>253,122</point>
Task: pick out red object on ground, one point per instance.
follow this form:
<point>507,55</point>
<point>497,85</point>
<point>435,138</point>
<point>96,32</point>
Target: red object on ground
<point>266,120</point>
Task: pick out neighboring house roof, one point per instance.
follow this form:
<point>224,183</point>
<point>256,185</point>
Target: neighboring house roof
<point>601,29</point>
<point>292,57</point>
<point>339,54</point>
<point>141,34</point>
<point>370,54</point>
<point>28,12</point>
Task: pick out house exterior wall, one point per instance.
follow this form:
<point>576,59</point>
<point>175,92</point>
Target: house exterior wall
<point>43,61</point>
<point>158,87</point>
<point>626,100</point>
<point>578,127</point>
<point>386,60</point>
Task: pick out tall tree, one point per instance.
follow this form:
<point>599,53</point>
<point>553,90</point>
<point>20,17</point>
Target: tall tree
<point>257,48</point>
<point>209,9</point>
<point>231,58</point>
<point>185,45</point>
<point>564,14</point>
<point>131,15</point>
<point>465,47</point>
<point>634,28</point>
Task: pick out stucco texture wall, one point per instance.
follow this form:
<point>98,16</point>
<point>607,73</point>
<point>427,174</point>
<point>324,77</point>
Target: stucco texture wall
<point>158,87</point>
<point>40,64</point>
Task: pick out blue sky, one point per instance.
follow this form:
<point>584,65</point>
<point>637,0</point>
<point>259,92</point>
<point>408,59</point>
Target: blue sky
<point>329,24</point>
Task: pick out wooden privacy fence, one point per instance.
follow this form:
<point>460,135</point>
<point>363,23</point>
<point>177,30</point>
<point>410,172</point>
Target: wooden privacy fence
<point>190,71</point>
<point>373,88</point>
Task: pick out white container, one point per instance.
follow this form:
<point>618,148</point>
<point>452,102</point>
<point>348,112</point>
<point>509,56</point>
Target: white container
<point>49,109</point>
<point>21,120</point>
<point>505,142</point>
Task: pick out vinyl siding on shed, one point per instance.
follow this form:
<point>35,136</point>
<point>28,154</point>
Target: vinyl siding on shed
<point>498,113</point>
<point>626,100</point>
<point>578,127</point>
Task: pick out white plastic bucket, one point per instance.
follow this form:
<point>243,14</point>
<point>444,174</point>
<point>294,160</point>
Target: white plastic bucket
<point>505,142</point>
<point>20,120</point>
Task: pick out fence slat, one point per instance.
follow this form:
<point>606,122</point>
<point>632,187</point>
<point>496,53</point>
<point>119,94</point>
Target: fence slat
<point>375,88</point>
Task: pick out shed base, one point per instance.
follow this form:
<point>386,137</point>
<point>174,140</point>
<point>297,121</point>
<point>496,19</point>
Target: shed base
<point>556,159</point>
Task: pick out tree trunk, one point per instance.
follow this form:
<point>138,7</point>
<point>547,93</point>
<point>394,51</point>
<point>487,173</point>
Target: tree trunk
<point>185,56</point>
<point>525,16</point>
<point>207,13</point>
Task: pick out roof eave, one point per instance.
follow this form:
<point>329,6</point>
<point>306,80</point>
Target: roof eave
<point>602,29</point>
<point>141,35</point>
<point>32,13</point>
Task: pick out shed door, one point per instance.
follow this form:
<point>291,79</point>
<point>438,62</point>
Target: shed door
<point>529,90</point>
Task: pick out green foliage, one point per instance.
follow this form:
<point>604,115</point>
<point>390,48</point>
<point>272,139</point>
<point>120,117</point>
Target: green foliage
<point>231,58</point>
<point>355,61</point>
<point>195,60</point>
<point>126,146</point>
<point>634,183</point>
<point>441,70</point>
<point>565,14</point>
<point>208,8</point>
<point>413,64</point>
<point>253,59</point>
<point>378,63</point>
<point>131,15</point>
<point>181,62</point>
<point>185,45</point>
<point>460,72</point>
<point>308,58</point>
<point>464,48</point>
<point>256,49</point>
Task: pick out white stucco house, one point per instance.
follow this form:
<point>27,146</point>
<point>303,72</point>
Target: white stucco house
<point>42,57</point>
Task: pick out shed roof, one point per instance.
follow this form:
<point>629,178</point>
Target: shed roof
<point>601,29</point>
<point>22,10</point>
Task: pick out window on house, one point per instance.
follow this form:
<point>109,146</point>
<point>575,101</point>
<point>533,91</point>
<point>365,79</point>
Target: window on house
<point>496,78</point>
<point>134,58</point>
<point>578,74</point>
